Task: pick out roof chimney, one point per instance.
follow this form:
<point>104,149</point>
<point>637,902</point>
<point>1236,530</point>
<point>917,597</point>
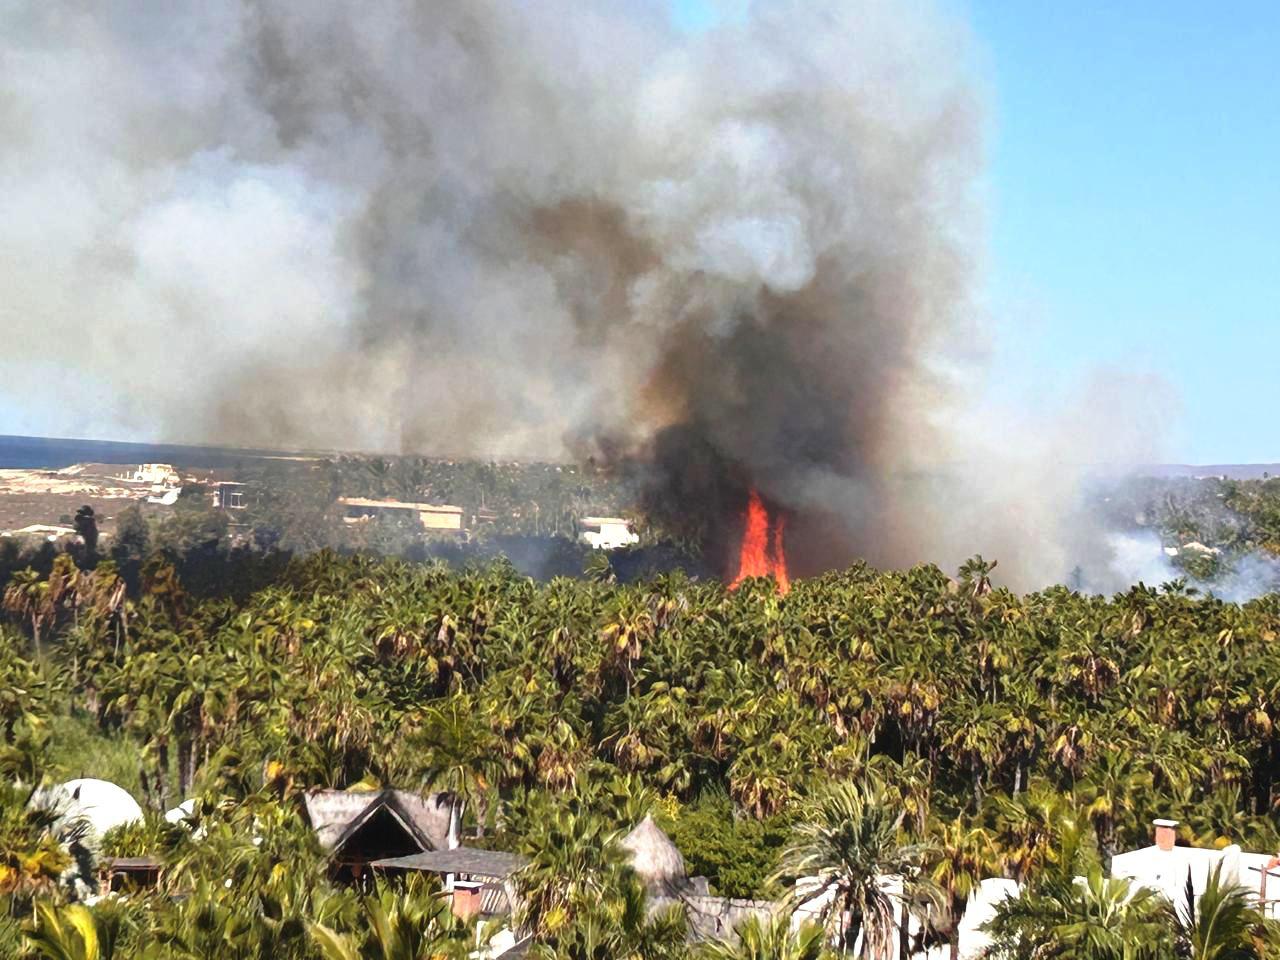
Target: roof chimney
<point>467,895</point>
<point>1166,833</point>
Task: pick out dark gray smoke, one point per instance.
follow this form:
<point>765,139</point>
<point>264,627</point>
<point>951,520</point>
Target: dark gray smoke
<point>516,228</point>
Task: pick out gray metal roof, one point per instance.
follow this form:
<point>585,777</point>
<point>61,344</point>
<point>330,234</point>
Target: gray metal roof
<point>471,861</point>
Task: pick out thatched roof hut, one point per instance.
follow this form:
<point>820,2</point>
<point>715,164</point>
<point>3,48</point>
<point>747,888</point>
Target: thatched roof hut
<point>356,827</point>
<point>656,860</point>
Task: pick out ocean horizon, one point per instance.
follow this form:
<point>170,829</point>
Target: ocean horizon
<point>54,453</point>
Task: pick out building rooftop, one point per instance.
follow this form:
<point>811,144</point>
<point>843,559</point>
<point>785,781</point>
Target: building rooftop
<point>336,814</point>
<point>472,861</point>
<point>131,864</point>
<point>399,505</point>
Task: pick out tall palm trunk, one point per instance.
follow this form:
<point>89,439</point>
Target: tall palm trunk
<point>1106,844</point>
<point>187,754</point>
<point>958,905</point>
<point>161,783</point>
<point>455,821</point>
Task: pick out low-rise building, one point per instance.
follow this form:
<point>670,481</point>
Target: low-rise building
<point>229,495</point>
<point>152,474</point>
<point>432,516</point>
<point>357,827</point>
<point>1167,867</point>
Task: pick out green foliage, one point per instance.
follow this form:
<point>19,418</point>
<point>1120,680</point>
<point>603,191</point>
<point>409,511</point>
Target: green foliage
<point>736,853</point>
<point>194,526</point>
<point>79,747</point>
<point>31,857</point>
<point>846,841</point>
<point>987,733</point>
<point>132,536</point>
<point>1225,924</point>
<point>69,933</point>
<point>1236,517</point>
<point>1100,919</point>
<point>143,838</point>
<point>575,864</point>
<point>396,926</point>
<point>772,939</point>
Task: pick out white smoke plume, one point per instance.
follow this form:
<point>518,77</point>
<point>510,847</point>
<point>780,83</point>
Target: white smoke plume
<point>1140,558</point>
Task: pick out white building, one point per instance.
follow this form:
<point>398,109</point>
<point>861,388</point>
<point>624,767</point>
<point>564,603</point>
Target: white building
<point>973,941</point>
<point>607,533</point>
<point>156,474</point>
<point>1164,866</point>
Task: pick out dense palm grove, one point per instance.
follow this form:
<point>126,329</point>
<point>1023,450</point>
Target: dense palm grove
<point>867,723</point>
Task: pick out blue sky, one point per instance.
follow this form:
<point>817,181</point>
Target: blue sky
<point>1134,215</point>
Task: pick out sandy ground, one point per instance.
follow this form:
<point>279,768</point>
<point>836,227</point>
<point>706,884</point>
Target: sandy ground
<point>52,497</point>
<point>67,483</point>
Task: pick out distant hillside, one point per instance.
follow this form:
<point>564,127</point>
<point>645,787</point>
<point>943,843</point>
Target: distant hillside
<point>1233,471</point>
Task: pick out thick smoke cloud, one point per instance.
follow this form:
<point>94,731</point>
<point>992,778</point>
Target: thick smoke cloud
<point>497,228</point>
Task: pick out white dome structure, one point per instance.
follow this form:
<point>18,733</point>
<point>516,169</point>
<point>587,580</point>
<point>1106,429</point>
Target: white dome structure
<point>99,804</point>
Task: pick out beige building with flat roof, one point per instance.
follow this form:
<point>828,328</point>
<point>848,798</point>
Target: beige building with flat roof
<point>432,516</point>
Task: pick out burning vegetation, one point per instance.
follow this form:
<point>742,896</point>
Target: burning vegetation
<point>762,553</point>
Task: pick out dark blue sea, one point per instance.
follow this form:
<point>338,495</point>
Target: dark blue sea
<point>50,453</point>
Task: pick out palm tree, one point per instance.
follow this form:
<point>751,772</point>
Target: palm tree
<point>397,928</point>
<point>1100,919</point>
<point>977,740</point>
<point>622,927</point>
<point>963,857</point>
<point>27,598</point>
<point>32,858</point>
<point>69,933</point>
<point>24,691</point>
<point>1225,925</point>
<point>456,752</point>
<point>769,939</point>
<point>1111,788</point>
<point>843,855</point>
<point>575,863</point>
<point>1029,828</point>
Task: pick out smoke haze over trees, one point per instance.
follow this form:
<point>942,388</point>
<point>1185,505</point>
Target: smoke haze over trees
<point>563,230</point>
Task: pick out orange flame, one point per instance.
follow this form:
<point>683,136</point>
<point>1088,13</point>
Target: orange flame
<point>761,555</point>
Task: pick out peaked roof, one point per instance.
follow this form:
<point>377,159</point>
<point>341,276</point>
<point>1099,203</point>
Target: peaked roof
<point>336,815</point>
<point>656,860</point>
